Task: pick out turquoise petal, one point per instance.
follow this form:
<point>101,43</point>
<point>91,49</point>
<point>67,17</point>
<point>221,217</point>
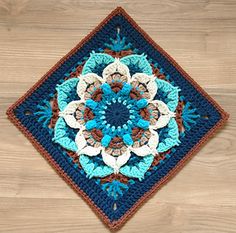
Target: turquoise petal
<point>128,140</point>
<point>91,104</point>
<point>142,103</point>
<point>171,91</point>
<point>106,89</point>
<point>143,124</point>
<point>91,124</point>
<point>171,139</point>
<point>95,60</point>
<point>139,169</point>
<point>106,140</point>
<point>93,169</point>
<point>140,62</point>
<point>126,89</point>
<point>61,135</point>
<point>63,92</point>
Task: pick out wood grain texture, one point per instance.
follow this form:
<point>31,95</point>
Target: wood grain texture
<point>200,35</point>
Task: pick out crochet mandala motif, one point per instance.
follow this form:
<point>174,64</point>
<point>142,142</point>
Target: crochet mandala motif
<point>117,117</point>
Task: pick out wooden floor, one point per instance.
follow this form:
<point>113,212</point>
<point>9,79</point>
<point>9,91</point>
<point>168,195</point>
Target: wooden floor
<point>200,35</point>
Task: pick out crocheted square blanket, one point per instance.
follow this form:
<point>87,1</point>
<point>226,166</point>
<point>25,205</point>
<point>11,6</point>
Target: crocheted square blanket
<point>117,117</point>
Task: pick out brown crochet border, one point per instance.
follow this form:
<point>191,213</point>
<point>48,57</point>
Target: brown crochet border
<point>117,224</point>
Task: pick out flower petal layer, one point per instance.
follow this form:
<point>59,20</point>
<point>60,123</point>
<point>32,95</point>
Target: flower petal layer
<point>95,61</point>
<point>171,92</point>
<point>88,84</point>
<point>149,148</point>
<point>164,114</point>
<point>146,84</point>
<point>62,137</point>
<point>137,63</point>
<point>83,148</point>
<point>69,114</point>
<point>93,169</point>
<point>170,137</point>
<point>116,67</point>
<point>139,169</point>
<point>115,162</point>
<point>64,92</point>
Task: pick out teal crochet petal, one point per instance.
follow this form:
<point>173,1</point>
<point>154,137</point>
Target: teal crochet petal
<point>169,138</point>
<point>95,61</point>
<point>62,135</point>
<point>139,169</point>
<point>64,91</point>
<point>94,169</point>
<point>172,93</point>
<point>139,63</point>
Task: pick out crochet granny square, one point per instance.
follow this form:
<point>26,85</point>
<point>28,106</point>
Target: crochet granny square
<point>117,117</point>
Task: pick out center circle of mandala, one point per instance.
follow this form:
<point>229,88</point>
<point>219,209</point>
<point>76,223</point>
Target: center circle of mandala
<point>117,114</point>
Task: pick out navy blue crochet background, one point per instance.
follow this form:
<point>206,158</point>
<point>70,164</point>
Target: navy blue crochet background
<point>98,196</point>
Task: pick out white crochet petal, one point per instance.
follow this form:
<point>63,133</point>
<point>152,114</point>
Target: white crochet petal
<point>90,151</point>
<point>162,121</point>
<point>149,81</point>
<point>149,148</point>
<point>115,162</point>
<point>116,67</point>
<point>82,145</point>
<point>142,150</point>
<point>85,81</point>
<point>68,114</point>
<point>153,141</point>
<point>165,114</point>
<point>80,140</point>
<point>109,160</point>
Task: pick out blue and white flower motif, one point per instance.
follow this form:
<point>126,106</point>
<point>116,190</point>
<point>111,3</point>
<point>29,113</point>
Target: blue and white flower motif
<point>116,115</point>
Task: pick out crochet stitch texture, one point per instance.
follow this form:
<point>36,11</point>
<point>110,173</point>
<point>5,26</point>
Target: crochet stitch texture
<point>117,117</point>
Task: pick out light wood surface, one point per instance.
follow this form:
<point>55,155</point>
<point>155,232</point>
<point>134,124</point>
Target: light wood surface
<point>200,35</point>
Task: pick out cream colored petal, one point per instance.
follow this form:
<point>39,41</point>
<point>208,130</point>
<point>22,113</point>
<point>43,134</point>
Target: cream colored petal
<point>85,81</point>
<point>81,143</point>
<point>165,114</point>
<point>90,151</point>
<point>149,148</point>
<point>80,140</point>
<point>162,121</point>
<point>161,106</point>
<point>141,78</point>
<point>148,81</point>
<point>115,162</point>
<point>116,67</point>
<point>109,160</point>
<point>68,114</point>
<point>153,141</point>
<point>152,89</point>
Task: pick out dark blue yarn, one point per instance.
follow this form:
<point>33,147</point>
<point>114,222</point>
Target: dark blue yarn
<point>162,133</point>
<point>160,95</point>
<point>89,186</point>
<point>72,132</point>
<point>99,69</point>
<point>134,68</point>
<point>117,114</point>
<point>134,159</point>
<point>73,96</point>
<point>97,160</point>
